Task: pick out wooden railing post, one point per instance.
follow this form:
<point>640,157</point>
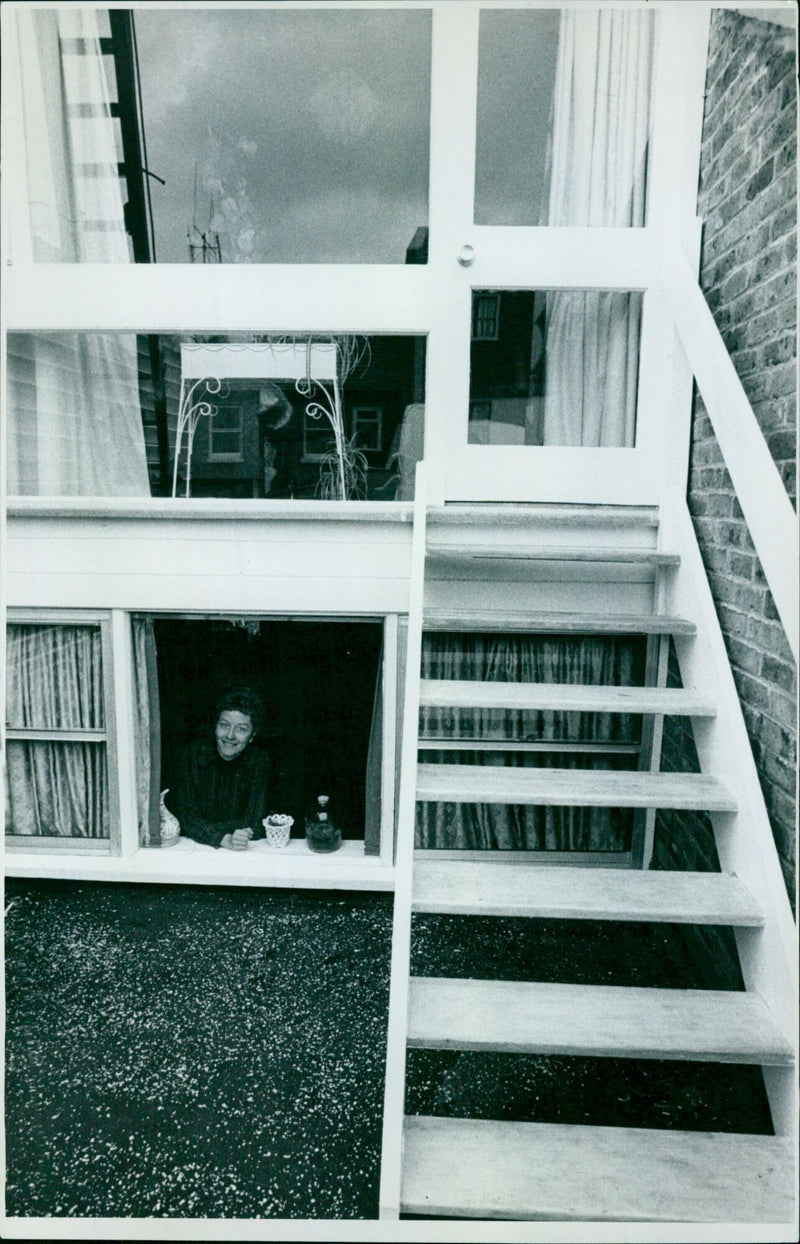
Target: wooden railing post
<point>394,1091</point>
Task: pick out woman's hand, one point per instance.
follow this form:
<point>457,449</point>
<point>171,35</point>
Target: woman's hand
<point>238,840</point>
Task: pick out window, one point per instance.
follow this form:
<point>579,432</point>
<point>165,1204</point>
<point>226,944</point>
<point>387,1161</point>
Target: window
<point>485,316</point>
<point>266,153</point>
<point>238,415</point>
<point>60,773</point>
<point>225,434</point>
<point>320,683</point>
<point>577,85</point>
<point>367,428</point>
<point>525,388</point>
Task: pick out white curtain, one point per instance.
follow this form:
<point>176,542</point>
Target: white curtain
<point>66,200</point>
<point>54,680</point>
<point>74,418</point>
<point>74,424</point>
<point>147,731</point>
<point>601,121</point>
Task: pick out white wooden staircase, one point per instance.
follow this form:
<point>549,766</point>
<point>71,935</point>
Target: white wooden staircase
<point>579,570</point>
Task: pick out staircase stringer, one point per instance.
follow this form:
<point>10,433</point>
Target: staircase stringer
<point>395,1074</point>
<point>744,840</point>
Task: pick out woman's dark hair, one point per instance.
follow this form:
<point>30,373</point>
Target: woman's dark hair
<point>241,700</point>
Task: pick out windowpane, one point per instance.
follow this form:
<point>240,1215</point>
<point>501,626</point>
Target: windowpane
<point>221,135</point>
<point>562,370</point>
<point>286,136</point>
<point>56,789</point>
<point>54,684</point>
<point>113,414</point>
<point>563,116</point>
<point>54,678</point>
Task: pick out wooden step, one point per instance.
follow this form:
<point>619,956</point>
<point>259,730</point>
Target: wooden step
<point>521,696</point>
<point>469,1168</point>
<point>523,1017</point>
<point>527,514</point>
<point>570,788</point>
<point>555,892</point>
<point>556,623</point>
<point>440,551</point>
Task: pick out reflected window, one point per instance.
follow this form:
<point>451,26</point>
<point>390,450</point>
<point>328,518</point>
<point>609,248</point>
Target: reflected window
<point>336,417</point>
<point>577,83</point>
<point>562,370</point>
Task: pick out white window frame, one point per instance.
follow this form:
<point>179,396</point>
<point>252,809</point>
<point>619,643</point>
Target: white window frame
<point>107,737</point>
<point>434,299</point>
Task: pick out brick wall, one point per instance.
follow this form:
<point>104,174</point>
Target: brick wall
<point>747,199</point>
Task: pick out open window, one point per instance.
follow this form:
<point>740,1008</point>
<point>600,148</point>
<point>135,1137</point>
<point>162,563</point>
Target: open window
<point>321,684</point>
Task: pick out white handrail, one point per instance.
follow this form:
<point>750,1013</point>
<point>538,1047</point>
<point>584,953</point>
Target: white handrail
<point>394,1090</point>
<point>745,844</point>
<point>768,512</point>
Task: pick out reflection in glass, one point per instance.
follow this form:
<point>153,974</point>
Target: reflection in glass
<point>219,135</point>
<point>336,417</point>
<point>284,135</point>
<point>563,116</point>
<point>561,369</point>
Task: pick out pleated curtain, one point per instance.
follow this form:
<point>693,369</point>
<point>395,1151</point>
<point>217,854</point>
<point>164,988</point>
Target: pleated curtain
<point>54,681</point>
<point>598,170</point>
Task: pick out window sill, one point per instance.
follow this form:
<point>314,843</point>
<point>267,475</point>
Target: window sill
<point>190,863</point>
<point>204,508</point>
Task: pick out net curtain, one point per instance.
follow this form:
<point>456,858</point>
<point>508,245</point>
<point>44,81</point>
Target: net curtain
<point>74,424</point>
<point>527,658</point>
<point>54,680</point>
<point>598,166</point>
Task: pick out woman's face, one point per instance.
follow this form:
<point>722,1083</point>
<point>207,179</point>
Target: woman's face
<point>233,732</point>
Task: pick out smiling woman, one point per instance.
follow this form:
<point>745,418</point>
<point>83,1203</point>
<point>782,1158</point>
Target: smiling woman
<point>286,136</point>
<point>222,789</point>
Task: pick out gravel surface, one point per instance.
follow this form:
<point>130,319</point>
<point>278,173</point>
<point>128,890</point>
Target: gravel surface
<point>194,1053</point>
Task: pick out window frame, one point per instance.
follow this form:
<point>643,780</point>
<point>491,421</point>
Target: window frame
<point>433,299</point>
<point>373,424</point>
<point>102,619</point>
<point>228,455</point>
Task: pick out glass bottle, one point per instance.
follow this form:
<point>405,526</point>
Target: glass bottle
<point>322,834</point>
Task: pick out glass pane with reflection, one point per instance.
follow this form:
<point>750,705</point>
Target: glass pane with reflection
<point>276,416</point>
<point>554,367</point>
<point>563,118</point>
<point>286,135</point>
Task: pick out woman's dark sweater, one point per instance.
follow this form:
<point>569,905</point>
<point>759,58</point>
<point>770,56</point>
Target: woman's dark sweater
<point>212,796</point>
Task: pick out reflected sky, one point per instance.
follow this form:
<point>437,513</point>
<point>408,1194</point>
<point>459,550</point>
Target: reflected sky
<point>298,136</point>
